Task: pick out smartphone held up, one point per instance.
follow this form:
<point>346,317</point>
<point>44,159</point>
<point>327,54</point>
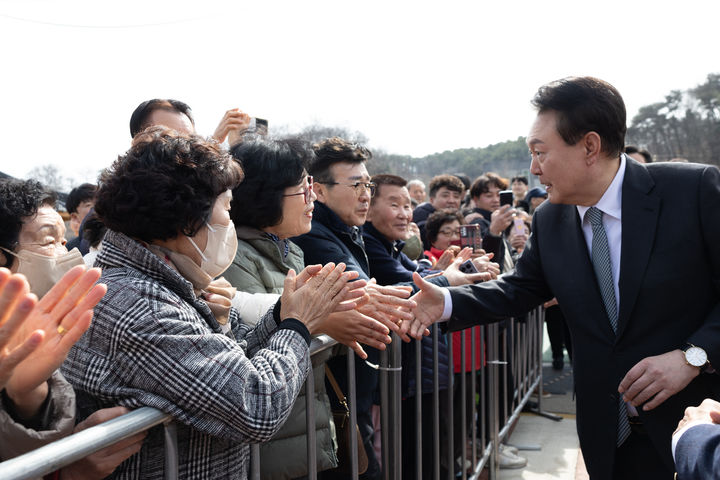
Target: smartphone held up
<point>470,237</point>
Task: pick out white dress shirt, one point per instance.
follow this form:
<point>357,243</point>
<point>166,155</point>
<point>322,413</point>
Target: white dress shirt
<point>611,206</point>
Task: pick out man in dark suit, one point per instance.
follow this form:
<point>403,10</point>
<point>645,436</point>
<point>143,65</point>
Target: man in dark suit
<point>632,253</point>
<point>696,443</point>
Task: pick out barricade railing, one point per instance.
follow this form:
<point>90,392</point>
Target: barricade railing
<point>63,452</point>
<point>490,399</point>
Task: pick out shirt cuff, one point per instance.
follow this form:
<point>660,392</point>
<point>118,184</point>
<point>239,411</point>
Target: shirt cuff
<point>447,309</point>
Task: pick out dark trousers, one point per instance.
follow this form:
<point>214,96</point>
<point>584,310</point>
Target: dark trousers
<point>637,459</point>
<point>409,435</point>
<point>558,332</point>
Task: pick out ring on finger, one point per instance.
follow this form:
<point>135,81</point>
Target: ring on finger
<point>61,330</point>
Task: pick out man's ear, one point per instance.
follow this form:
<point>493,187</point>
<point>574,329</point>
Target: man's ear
<point>592,143</point>
<point>320,193</point>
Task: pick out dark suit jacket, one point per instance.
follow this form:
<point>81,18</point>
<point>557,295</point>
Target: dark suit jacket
<point>697,454</point>
<point>669,295</point>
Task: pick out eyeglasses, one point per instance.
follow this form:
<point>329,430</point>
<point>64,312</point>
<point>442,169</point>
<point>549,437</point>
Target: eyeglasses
<point>450,232</point>
<point>306,193</point>
<point>359,187</point>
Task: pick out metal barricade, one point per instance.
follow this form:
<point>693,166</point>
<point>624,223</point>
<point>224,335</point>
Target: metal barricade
<point>510,372</point>
<point>58,454</point>
<point>53,456</point>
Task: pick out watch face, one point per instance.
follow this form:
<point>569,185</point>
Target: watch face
<point>696,356</point>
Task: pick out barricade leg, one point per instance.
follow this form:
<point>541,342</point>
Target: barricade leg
<point>310,425</point>
<point>351,396</point>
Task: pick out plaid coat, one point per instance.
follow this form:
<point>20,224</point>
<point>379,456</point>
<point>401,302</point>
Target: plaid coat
<point>153,343</point>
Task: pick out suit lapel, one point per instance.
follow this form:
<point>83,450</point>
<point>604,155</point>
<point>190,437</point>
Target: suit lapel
<point>640,211</point>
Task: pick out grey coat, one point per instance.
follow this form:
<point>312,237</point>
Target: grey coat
<point>55,422</point>
<point>153,343</point>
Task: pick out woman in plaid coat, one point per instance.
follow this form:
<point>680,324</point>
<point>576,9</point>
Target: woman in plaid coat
<point>159,339</point>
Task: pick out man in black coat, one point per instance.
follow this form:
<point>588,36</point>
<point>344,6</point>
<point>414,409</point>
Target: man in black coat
<point>632,253</point>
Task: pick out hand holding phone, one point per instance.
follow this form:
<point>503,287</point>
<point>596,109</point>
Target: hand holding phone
<point>468,267</point>
<point>506,197</point>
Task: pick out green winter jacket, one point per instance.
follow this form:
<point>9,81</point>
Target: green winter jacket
<point>259,267</point>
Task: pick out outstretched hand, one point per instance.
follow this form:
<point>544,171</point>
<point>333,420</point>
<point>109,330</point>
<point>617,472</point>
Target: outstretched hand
<point>352,328</point>
<point>389,305</point>
<point>430,305</point>
<point>455,277</point>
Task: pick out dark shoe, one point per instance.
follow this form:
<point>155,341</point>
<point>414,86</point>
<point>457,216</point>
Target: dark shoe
<point>558,364</point>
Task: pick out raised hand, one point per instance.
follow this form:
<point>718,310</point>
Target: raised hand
<point>483,264</point>
<point>447,257</point>
<point>16,304</point>
<point>63,315</point>
<point>456,277</point>
<point>501,219</point>
<point>233,123</point>
<point>354,289</point>
<point>313,301</point>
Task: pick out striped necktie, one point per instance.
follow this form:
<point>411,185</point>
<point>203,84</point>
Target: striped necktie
<point>603,273</point>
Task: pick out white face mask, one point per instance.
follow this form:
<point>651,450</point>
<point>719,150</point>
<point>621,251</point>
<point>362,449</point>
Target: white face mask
<point>220,250</point>
<point>43,272</point>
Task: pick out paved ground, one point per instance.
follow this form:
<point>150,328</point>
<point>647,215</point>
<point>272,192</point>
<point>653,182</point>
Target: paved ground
<point>559,455</point>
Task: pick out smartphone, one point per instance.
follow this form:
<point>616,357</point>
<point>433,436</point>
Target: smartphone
<point>470,236</point>
<point>257,125</point>
<point>506,197</point>
<point>518,226</point>
<point>261,126</point>
<point>467,267</point>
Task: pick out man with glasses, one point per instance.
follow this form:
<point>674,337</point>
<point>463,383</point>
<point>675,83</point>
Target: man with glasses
<point>343,189</point>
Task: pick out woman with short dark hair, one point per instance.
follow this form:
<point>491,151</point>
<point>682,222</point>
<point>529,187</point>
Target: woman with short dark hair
<point>274,203</point>
<point>442,231</point>
<point>157,338</point>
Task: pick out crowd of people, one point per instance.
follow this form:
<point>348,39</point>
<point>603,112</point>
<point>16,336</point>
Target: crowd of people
<point>198,274</point>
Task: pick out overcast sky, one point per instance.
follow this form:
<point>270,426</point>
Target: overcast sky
<point>414,77</point>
